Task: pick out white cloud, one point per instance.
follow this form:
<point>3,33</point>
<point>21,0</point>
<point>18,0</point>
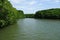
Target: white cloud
<point>14,1</point>
<point>32,2</point>
<point>33,5</point>
<point>45,0</point>
<point>17,1</point>
<point>57,1</point>
<point>40,4</point>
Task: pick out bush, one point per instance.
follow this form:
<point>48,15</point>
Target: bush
<point>2,23</point>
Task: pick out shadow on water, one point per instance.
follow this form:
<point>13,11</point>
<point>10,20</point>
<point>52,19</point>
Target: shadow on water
<point>9,33</point>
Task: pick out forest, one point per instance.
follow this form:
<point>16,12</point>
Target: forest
<point>53,13</point>
<point>29,15</point>
<point>9,14</point>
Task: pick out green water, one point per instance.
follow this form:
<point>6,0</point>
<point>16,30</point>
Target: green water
<point>32,29</point>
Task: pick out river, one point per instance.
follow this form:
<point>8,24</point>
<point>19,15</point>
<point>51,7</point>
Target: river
<point>32,29</point>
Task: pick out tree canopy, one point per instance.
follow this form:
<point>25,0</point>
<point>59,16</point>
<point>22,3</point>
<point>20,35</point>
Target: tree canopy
<point>8,14</point>
<point>49,13</point>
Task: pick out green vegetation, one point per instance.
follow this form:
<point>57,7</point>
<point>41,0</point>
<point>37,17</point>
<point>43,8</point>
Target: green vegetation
<point>29,15</point>
<point>48,14</point>
<point>20,14</point>
<point>8,14</point>
<point>45,14</point>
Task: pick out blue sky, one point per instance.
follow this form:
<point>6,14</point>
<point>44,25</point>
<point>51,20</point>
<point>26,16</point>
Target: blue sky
<point>31,6</point>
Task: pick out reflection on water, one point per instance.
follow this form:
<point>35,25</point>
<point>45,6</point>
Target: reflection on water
<point>32,29</point>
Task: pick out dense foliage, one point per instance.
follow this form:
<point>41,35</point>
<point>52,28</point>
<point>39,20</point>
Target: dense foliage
<point>49,14</point>
<point>8,14</point>
<point>29,15</point>
<point>20,14</point>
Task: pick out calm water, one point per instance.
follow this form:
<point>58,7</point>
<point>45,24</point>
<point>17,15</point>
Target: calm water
<point>32,29</point>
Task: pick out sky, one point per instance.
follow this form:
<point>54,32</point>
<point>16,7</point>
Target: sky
<point>31,6</point>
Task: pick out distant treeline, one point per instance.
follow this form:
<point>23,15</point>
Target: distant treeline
<point>29,15</point>
<point>48,14</point>
<point>8,14</point>
<point>53,13</point>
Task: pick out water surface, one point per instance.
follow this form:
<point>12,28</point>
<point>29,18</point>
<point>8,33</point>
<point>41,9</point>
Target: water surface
<point>32,29</point>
